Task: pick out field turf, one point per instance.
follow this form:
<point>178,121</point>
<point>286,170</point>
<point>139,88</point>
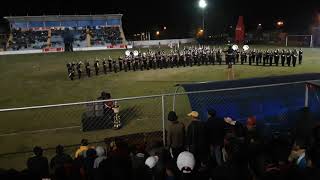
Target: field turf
<point>41,79</point>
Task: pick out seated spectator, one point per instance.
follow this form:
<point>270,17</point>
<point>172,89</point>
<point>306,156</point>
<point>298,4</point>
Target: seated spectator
<point>83,147</point>
<point>176,134</point>
<point>59,162</point>
<point>38,165</point>
<point>196,137</point>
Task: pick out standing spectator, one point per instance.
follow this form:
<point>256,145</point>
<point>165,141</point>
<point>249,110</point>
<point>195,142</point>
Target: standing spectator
<point>176,134</point>
<point>59,162</point>
<point>298,154</point>
<point>215,131</point>
<point>88,163</point>
<point>38,165</point>
<point>255,146</point>
<point>83,148</point>
<point>196,137</point>
<point>138,158</point>
<point>101,155</point>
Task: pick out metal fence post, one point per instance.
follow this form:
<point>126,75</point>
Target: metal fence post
<point>306,97</point>
<point>163,120</point>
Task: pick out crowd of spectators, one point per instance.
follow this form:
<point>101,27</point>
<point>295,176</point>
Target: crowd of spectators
<point>28,39</point>
<point>31,39</point>
<point>105,35</point>
<point>218,149</point>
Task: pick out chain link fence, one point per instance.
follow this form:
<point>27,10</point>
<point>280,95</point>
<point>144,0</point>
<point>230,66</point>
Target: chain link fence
<point>144,119</point>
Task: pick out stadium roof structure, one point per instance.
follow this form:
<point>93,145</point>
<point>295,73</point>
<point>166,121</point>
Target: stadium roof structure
<point>51,21</point>
<point>62,17</point>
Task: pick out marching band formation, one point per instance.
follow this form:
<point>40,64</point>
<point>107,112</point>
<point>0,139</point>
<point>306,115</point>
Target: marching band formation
<point>189,56</point>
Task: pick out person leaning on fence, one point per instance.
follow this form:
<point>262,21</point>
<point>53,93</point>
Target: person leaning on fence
<point>176,134</point>
<point>83,148</point>
<point>196,137</point>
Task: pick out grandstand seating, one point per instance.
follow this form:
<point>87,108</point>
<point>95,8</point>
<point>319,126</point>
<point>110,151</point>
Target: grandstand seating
<point>28,39</point>
<point>100,36</point>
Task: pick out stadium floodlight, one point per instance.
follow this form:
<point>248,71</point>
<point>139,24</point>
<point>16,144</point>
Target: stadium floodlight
<point>202,4</point>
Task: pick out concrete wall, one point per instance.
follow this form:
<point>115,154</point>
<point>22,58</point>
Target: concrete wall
<point>162,42</point>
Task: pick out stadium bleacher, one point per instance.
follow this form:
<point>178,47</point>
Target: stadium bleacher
<point>31,33</point>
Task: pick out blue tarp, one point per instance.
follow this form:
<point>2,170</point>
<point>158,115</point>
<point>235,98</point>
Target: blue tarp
<point>276,107</point>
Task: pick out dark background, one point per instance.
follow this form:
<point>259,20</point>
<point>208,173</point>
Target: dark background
<point>181,17</point>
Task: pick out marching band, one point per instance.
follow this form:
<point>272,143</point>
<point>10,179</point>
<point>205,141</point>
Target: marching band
<point>189,56</point>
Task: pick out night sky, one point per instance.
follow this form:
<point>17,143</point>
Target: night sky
<point>180,17</point>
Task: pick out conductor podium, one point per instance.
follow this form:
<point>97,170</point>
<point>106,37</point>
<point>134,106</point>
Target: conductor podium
<point>97,117</point>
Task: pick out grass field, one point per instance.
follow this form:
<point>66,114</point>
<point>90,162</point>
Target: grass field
<point>29,80</point>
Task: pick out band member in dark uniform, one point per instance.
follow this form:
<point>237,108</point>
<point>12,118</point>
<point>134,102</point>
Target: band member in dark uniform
<point>96,67</point>
<point>125,64</point>
<point>72,74</point>
<point>68,68</point>
<point>276,57</point>
<point>237,56</point>
<point>115,66</point>
<point>145,63</point>
<point>141,63</point>
<point>133,64</point>
<point>88,69</point>
<point>243,57</point>
<point>294,57</point>
<point>104,64</point>
<point>129,63</point>
<point>300,56</point>
<point>270,58</point>
<point>185,60</point>
<point>259,57</point>
<point>120,63</point>
<point>219,56</point>
<point>79,70</point>
<point>283,57</point>
<point>250,57</point>
<point>289,57</point>
<point>110,64</point>
<point>265,57</point>
<point>253,54</point>
<point>136,63</point>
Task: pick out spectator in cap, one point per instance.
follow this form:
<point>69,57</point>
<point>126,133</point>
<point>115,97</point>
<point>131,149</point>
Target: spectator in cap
<point>186,163</point>
<point>38,165</point>
<point>83,148</point>
<point>176,134</point>
<point>215,131</point>
<point>196,137</point>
